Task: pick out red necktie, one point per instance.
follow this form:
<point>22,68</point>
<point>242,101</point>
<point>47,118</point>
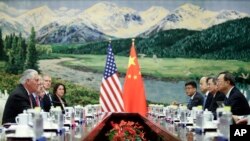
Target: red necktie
<point>37,101</point>
<point>31,105</point>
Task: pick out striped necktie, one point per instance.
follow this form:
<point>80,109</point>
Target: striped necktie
<point>204,102</point>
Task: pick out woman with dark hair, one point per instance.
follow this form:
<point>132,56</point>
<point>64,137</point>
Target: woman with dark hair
<point>59,91</point>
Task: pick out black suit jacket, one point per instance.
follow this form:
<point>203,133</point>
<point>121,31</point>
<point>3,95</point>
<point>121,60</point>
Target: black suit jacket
<point>219,97</point>
<point>238,103</point>
<point>57,102</point>
<point>197,100</point>
<point>208,101</point>
<point>17,101</point>
<point>45,103</point>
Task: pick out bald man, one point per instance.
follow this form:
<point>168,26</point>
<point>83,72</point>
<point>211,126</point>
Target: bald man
<point>207,96</point>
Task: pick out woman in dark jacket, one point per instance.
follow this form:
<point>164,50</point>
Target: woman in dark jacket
<point>57,97</point>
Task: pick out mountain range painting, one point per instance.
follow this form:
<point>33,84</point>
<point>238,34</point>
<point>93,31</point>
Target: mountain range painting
<point>176,41</point>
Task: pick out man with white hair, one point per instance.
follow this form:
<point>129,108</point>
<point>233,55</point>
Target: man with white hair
<point>21,97</point>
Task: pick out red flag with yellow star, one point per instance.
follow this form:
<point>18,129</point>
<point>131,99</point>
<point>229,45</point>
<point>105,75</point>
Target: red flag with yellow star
<point>133,90</point>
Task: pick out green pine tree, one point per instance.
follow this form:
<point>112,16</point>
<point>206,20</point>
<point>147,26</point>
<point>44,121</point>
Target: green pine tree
<point>19,55</point>
<point>2,51</point>
<point>11,65</point>
<point>23,52</point>
<point>32,54</point>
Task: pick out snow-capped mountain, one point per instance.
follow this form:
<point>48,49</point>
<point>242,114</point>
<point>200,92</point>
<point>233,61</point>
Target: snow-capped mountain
<point>37,18</point>
<point>152,16</point>
<point>71,33</point>
<point>226,15</point>
<point>65,12</point>
<point>111,19</point>
<point>10,25</point>
<point>154,13</point>
<point>106,19</point>
<point>10,10</point>
<point>193,17</point>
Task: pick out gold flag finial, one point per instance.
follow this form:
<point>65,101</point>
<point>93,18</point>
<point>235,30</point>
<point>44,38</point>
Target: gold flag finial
<point>110,40</point>
<point>133,41</point>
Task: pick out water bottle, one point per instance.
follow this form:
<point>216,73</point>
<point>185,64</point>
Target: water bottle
<point>183,114</point>
<point>225,121</point>
<point>57,117</point>
<point>199,118</point>
<point>38,125</point>
<point>207,119</point>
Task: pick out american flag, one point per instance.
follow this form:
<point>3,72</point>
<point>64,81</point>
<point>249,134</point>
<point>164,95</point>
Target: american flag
<point>111,90</point>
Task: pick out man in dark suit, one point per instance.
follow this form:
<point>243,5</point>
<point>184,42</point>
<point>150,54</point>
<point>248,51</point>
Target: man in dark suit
<point>207,96</point>
<point>217,97</point>
<point>20,98</point>
<point>234,98</point>
<point>195,97</point>
<point>46,101</point>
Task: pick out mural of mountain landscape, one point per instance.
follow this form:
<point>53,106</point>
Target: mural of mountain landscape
<point>106,19</point>
<point>163,29</point>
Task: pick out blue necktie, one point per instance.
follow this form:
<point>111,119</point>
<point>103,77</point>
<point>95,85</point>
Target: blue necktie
<point>226,101</point>
<point>204,102</point>
<point>189,102</point>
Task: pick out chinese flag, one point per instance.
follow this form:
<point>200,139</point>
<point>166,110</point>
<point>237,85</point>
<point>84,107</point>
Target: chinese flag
<point>133,89</point>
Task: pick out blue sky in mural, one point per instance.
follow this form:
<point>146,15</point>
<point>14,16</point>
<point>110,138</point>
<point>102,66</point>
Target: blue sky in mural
<point>215,5</point>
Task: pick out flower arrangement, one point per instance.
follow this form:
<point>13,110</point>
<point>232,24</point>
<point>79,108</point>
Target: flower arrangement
<point>126,131</point>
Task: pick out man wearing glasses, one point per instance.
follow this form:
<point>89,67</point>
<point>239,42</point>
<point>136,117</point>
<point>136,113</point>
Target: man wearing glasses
<point>21,97</point>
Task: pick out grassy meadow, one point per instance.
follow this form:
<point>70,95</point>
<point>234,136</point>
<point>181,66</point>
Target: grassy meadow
<point>173,68</point>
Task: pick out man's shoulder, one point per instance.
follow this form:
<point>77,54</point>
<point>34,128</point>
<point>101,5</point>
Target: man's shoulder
<point>236,93</point>
<point>46,96</point>
<point>19,91</point>
<point>198,94</point>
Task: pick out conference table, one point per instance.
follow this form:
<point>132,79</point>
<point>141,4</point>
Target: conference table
<point>95,128</point>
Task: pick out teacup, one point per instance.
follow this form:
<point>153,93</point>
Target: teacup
<point>24,131</point>
<point>22,119</point>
